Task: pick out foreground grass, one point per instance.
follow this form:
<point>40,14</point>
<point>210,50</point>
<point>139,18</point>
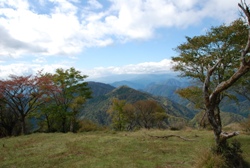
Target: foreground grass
<point>108,149</point>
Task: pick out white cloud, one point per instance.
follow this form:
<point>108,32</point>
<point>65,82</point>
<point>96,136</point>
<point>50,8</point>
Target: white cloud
<point>64,6</point>
<point>16,4</point>
<point>95,4</point>
<point>39,60</point>
<point>42,2</point>
<point>223,11</point>
<point>163,66</point>
<point>68,28</point>
<point>40,63</point>
<point>27,69</point>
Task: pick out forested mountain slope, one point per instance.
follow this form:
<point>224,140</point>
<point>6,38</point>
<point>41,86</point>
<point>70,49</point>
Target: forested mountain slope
<point>166,86</point>
<point>161,91</point>
<point>99,88</point>
<point>97,107</point>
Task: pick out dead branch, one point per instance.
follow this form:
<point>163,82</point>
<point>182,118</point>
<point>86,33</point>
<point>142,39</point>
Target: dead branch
<point>225,135</point>
<point>168,136</point>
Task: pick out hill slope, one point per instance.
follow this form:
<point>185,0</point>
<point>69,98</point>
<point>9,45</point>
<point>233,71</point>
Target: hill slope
<point>96,108</point>
<point>167,89</point>
<point>226,118</point>
<point>99,89</point>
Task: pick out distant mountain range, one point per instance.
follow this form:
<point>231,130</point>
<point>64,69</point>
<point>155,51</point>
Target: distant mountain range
<point>160,88</point>
<point>156,84</point>
<point>136,81</point>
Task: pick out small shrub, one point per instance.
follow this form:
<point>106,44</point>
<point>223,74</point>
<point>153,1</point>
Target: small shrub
<point>233,154</point>
<point>177,126</point>
<point>227,156</point>
<point>88,125</point>
<point>207,159</point>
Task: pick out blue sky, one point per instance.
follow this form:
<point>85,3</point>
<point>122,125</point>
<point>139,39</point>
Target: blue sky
<point>102,37</point>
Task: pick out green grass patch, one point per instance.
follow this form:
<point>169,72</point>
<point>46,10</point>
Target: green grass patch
<point>108,149</point>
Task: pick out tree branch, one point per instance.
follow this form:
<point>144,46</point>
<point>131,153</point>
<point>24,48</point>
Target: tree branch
<point>224,135</point>
<point>207,81</point>
<point>228,83</point>
<point>244,52</point>
<point>203,117</point>
<point>168,136</point>
<point>245,64</point>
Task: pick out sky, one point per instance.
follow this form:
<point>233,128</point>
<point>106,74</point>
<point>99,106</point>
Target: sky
<point>102,37</point>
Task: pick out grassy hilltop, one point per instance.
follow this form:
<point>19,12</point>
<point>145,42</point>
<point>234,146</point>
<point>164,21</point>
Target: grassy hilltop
<point>110,149</point>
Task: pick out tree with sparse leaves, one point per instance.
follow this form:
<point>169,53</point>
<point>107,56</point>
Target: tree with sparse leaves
<point>22,95</point>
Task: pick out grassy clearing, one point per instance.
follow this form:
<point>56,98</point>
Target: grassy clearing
<point>108,149</point>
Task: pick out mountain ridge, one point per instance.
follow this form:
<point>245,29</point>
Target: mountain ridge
<point>97,107</point>
<point>161,90</point>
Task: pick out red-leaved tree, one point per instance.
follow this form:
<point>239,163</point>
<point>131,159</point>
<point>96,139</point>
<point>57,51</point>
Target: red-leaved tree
<point>24,94</point>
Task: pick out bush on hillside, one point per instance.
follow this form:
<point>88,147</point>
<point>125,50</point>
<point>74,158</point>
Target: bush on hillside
<point>177,126</point>
<point>207,159</point>
<point>176,123</point>
<point>229,155</point>
<point>86,125</point>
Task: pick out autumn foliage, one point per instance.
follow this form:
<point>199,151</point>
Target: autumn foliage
<point>21,95</point>
<point>45,97</point>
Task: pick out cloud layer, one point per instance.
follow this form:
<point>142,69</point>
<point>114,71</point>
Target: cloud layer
<point>52,28</point>
<point>163,66</point>
<point>66,27</point>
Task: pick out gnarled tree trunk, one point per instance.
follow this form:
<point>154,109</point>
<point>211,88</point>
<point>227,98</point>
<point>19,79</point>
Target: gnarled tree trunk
<point>211,97</point>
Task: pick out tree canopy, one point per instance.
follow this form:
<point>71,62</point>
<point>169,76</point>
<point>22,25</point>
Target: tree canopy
<point>55,99</point>
<point>217,60</point>
<point>22,95</point>
<point>65,104</point>
<point>221,47</point>
<point>141,114</point>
